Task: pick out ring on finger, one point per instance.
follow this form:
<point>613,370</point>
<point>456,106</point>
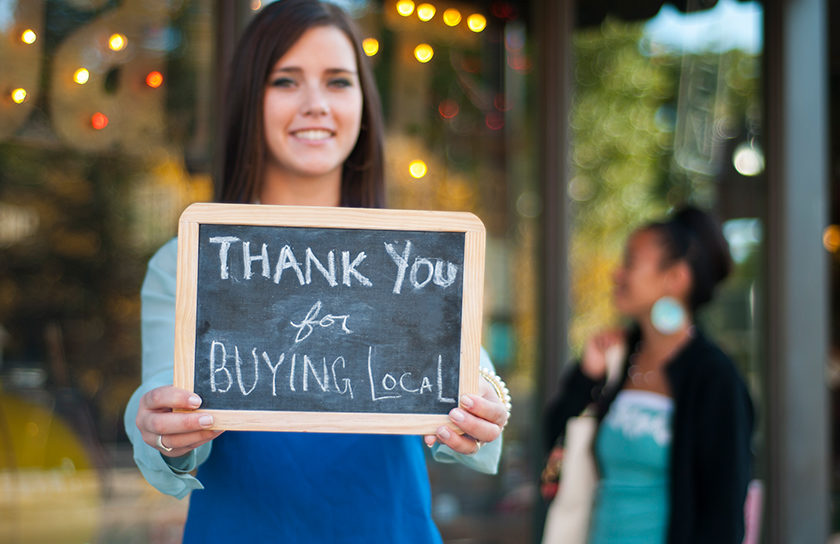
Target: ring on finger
<point>164,448</point>
<point>478,445</point>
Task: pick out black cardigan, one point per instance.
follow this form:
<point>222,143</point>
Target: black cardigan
<point>711,444</point>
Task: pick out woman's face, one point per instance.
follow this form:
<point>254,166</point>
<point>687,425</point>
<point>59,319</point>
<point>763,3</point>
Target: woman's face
<point>313,105</point>
<point>641,279</point>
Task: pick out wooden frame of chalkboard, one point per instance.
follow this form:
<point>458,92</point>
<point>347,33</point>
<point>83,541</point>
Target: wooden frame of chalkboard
<point>364,320</point>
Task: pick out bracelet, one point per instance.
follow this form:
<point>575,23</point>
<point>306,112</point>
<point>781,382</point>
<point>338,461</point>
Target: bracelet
<point>499,385</point>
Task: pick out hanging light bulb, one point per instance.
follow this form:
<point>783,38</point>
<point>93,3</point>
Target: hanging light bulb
<point>19,95</point>
<point>424,52</point>
<point>370,46</point>
<point>451,17</point>
<point>417,169</point>
<point>154,79</point>
<point>117,42</point>
<point>98,120</point>
<point>476,22</point>
<point>81,75</point>
<point>405,7</point>
<point>28,36</point>
<point>425,12</point>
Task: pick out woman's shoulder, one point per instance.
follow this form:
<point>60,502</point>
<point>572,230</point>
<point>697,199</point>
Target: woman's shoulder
<point>711,364</point>
<point>166,256</point>
<point>163,266</point>
<point>167,252</point>
<point>704,359</point>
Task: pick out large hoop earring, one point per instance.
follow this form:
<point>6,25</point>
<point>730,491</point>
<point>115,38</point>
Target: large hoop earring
<point>667,315</point>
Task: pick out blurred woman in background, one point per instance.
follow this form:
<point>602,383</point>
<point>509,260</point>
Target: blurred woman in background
<point>674,436</point>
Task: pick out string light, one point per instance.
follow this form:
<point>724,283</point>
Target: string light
<point>370,46</point>
<point>425,12</point>
<point>154,79</point>
<point>451,17</point>
<point>424,52</point>
<point>28,36</point>
<point>81,76</point>
<point>117,42</point>
<point>18,95</point>
<point>476,22</point>
<point>98,120</point>
<point>417,169</point>
<point>405,7</point>
<point>831,238</point>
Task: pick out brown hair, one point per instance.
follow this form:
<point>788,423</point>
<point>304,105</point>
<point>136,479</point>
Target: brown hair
<point>265,40</point>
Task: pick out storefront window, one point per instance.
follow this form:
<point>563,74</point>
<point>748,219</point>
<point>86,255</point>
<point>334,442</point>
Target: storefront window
<point>106,122</point>
<point>455,80</point>
<point>104,133</point>
<point>668,111</point>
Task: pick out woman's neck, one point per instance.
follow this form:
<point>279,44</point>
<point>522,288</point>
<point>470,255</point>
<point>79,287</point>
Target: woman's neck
<point>281,187</point>
<point>658,348</point>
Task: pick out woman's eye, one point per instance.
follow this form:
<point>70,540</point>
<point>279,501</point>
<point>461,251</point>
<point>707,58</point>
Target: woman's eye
<point>282,82</point>
<point>340,82</point>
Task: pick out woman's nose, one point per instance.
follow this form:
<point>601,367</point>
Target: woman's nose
<point>315,104</point>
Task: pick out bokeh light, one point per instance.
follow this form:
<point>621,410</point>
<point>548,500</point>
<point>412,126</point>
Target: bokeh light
<point>405,7</point>
<point>748,160</point>
<point>117,42</point>
<point>424,52</point>
<point>81,75</point>
<point>255,5</point>
<point>370,46</point>
<point>451,17</point>
<point>494,120</point>
<point>425,12</point>
<point>476,22</point>
<point>98,120</point>
<point>501,103</point>
<point>417,168</point>
<point>154,79</point>
<point>19,95</point>
<point>831,238</point>
<point>448,108</point>
<point>28,36</point>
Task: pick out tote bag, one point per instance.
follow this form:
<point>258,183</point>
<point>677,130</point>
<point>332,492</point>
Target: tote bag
<point>567,520</point>
<point>568,516</point>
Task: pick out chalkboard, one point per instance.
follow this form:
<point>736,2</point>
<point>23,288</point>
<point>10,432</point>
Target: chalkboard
<point>315,319</point>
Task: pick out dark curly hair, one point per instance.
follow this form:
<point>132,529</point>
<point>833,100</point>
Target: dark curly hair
<point>693,236</point>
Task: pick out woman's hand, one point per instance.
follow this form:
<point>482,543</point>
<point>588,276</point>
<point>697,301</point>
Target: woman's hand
<point>598,351</point>
<point>481,418</point>
<point>173,433</point>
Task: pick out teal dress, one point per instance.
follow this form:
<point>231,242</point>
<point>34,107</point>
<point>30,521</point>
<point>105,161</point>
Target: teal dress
<point>633,449</point>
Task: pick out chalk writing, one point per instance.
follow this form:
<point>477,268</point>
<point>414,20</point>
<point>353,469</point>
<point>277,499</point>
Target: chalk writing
<point>340,320</point>
<point>305,327</point>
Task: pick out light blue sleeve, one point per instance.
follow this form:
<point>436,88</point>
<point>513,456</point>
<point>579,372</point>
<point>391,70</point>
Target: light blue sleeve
<point>168,475</point>
<point>487,458</point>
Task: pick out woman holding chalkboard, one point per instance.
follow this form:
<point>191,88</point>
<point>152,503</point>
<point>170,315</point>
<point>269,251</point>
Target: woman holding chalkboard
<point>302,126</point>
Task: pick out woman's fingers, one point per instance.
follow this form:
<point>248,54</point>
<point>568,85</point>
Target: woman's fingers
<point>173,433</point>
<point>175,422</point>
<point>168,398</point>
<point>479,417</point>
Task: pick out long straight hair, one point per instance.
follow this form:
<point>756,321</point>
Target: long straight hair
<point>265,40</point>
